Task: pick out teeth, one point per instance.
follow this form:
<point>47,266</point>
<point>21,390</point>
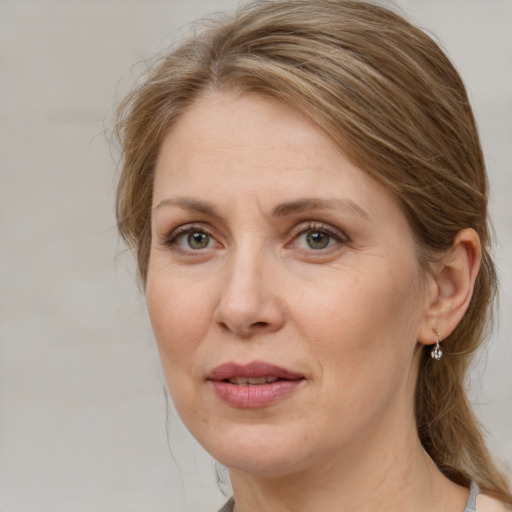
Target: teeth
<point>253,381</point>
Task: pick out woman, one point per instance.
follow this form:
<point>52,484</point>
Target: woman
<point>304,188</point>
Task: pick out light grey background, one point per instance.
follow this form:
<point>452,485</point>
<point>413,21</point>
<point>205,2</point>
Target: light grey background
<point>82,412</point>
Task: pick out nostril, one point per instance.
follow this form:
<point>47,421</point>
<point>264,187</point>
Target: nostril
<point>251,329</point>
<point>259,325</point>
<point>223,326</point>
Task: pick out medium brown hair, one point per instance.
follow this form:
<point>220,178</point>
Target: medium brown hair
<point>387,95</point>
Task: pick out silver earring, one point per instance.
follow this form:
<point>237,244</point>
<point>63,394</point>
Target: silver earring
<point>437,353</point>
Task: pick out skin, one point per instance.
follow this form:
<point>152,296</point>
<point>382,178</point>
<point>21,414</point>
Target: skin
<point>351,316</point>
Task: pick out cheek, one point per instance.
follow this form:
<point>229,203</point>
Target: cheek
<point>374,297</point>
<point>178,321</point>
<point>179,316</point>
<point>363,326</point>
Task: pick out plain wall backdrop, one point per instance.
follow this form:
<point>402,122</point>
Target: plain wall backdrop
<point>83,423</point>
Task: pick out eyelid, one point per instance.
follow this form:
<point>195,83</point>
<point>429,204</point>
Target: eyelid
<point>313,225</point>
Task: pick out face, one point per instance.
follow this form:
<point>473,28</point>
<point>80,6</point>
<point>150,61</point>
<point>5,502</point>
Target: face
<point>283,289</point>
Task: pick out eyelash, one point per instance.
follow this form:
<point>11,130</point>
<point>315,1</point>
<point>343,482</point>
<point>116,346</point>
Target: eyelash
<point>172,240</point>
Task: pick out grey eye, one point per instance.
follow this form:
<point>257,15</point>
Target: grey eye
<point>197,240</point>
<point>317,239</point>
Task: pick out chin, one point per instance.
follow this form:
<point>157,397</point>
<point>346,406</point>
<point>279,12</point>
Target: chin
<point>268,461</point>
<point>264,450</point>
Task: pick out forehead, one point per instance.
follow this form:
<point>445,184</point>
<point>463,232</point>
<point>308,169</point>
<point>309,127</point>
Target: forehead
<point>246,141</point>
<point>227,125</point>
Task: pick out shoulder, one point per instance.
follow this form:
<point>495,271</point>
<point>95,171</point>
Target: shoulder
<point>486,503</point>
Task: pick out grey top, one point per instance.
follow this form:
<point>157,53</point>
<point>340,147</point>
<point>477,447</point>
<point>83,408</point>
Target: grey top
<point>228,507</point>
<point>470,505</point>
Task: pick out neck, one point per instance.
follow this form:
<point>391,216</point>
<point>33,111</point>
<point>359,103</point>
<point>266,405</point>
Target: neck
<point>388,470</point>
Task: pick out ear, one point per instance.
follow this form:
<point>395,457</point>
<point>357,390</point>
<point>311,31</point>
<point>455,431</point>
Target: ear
<point>450,288</point>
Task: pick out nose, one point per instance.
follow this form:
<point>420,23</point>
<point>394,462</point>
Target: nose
<point>249,304</point>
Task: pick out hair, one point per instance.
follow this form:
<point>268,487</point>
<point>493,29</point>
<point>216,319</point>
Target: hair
<point>388,96</point>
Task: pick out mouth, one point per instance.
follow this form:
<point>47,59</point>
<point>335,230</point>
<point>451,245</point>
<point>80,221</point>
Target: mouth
<point>254,373</point>
<point>256,384</point>
<point>251,381</point>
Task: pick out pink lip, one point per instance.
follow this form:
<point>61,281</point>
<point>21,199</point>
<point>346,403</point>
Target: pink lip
<point>257,395</point>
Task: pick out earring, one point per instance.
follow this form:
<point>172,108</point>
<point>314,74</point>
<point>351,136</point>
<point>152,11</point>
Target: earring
<point>437,353</point>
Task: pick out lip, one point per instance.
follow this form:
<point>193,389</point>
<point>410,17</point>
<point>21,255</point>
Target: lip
<point>256,395</point>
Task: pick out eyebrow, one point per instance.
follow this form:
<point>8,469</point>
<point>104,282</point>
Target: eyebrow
<point>302,205</point>
<point>188,203</point>
<point>281,210</point>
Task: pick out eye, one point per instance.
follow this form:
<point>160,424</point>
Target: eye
<point>190,238</point>
<point>197,240</point>
<point>318,237</point>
